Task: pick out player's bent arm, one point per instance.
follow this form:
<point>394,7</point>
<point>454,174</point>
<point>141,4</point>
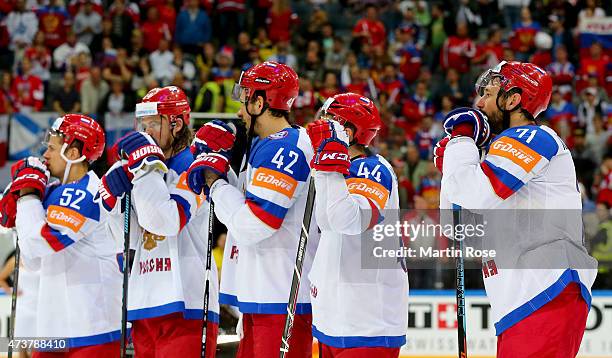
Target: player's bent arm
<point>157,212</point>
<point>344,212</point>
<point>39,236</point>
<point>235,214</point>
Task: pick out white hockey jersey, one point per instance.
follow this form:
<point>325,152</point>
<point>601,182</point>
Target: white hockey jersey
<point>79,293</point>
<point>264,217</point>
<point>527,168</point>
<point>353,306</point>
<point>169,233</point>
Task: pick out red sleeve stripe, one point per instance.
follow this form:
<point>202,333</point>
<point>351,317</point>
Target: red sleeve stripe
<point>183,210</point>
<point>504,184</point>
<point>375,218</point>
<point>55,239</point>
<point>269,219</point>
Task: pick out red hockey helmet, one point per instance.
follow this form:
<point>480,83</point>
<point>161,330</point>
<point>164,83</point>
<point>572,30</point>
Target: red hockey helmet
<point>170,101</point>
<point>356,110</point>
<point>82,128</point>
<point>535,84</point>
<point>278,81</point>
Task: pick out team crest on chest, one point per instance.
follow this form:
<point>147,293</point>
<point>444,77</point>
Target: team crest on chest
<point>149,240</point>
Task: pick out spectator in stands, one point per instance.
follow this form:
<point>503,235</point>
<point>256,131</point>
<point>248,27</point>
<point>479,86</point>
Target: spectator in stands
<point>428,134</point>
<point>118,68</point>
<point>334,59</point>
<point>54,22</point>
<point>405,53</point>
<point>161,63</point>
<point>87,23</point>
<point>263,44</point>
<point>224,60</point>
<point>137,50</point>
<point>446,105</point>
<point>280,21</point>
<point>67,100</point>
<point>590,11</point>
<point>561,115</point>
<point>107,32</point>
<point>458,50</point>
<point>561,36</point>
<point>193,27</point>
<point>415,107</point>
<point>21,25</point>
<point>167,14</point>
<point>64,55</point>
<point>40,57</point>
<point>231,15</point>
<point>436,33</point>
<point>143,79</point>
<point>6,99</point>
<point>511,10</point>
<point>185,67</point>
<point>416,168</point>
<point>154,29</point>
<point>209,98</point>
<point>491,52</point>
<point>370,30</point>
<point>587,109</point>
<point>117,102</point>
<point>562,71</point>
<point>243,47</point>
<point>124,18</point>
<point>330,87</point>
<point>598,139</point>
<point>93,90</point>
<point>593,62</point>
<point>283,55</point>
<point>522,39</point>
<point>460,94</point>
<point>27,90</point>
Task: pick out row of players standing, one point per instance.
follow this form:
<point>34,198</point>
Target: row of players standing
<point>351,311</point>
<point>73,228</point>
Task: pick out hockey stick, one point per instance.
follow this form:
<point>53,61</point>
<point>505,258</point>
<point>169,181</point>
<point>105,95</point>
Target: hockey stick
<point>126,269</point>
<point>211,221</point>
<point>461,320</point>
<point>297,271</point>
<point>14,297</point>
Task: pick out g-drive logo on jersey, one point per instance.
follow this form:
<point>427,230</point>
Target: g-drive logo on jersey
<point>371,190</point>
<point>65,217</point>
<point>517,152</point>
<point>275,181</point>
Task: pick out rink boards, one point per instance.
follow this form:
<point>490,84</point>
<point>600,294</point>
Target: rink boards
<point>432,325</point>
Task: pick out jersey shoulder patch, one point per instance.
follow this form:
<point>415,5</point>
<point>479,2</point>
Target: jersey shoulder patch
<point>181,162</point>
<point>525,141</point>
<point>70,205</point>
<point>281,155</point>
<point>370,178</point>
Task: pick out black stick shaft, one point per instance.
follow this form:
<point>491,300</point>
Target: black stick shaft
<point>297,272</point>
<point>211,222</point>
<point>126,274</point>
<point>14,298</point>
<point>461,319</point>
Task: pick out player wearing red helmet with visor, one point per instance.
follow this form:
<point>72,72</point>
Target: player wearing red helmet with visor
<point>355,191</point>
<point>263,213</point>
<point>166,283</point>
<point>62,236</point>
<point>539,283</point>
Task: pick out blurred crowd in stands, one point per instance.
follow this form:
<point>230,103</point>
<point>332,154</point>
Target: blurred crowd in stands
<point>416,59</point>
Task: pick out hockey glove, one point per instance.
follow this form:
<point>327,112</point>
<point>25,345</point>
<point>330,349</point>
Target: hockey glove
<point>438,152</point>
<point>214,136</point>
<point>114,184</point>
<point>29,173</point>
<point>142,152</point>
<point>217,163</point>
<point>468,122</point>
<point>8,208</point>
<point>330,143</point>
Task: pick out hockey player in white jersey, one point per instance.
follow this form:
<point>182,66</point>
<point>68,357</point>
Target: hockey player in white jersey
<point>60,226</point>
<point>264,216</point>
<point>357,312</point>
<point>166,285</point>
<point>537,312</point>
